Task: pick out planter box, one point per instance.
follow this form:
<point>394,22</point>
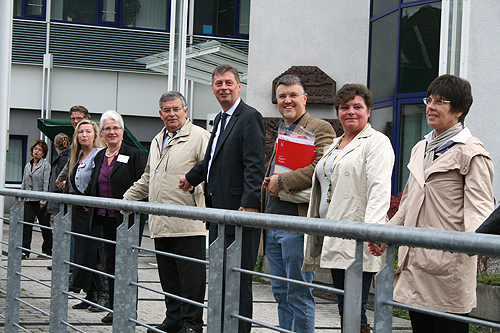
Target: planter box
<point>488,302</point>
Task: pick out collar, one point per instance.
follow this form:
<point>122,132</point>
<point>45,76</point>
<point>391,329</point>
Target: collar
<point>232,108</point>
<point>461,137</point>
<point>292,126</point>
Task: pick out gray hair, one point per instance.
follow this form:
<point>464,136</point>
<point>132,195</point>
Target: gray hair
<point>290,79</point>
<point>111,115</point>
<point>172,95</point>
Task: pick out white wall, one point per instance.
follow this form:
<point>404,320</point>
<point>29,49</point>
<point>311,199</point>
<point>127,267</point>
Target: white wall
<point>332,35</point>
<point>132,94</point>
<point>26,87</point>
<point>484,76</point>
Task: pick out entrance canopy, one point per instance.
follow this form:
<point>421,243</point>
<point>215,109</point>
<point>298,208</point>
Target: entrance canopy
<point>52,127</point>
<point>201,60</point>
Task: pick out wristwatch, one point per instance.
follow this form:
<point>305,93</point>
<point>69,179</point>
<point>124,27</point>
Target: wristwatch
<point>280,182</point>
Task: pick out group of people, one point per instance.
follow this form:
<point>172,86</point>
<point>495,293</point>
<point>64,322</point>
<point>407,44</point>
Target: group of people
<point>348,179</point>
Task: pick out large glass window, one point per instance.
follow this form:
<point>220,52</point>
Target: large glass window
<point>221,17</point>
<point>413,128</point>
<point>383,56</point>
<point>16,159</point>
<point>419,47</point>
<point>147,14</point>
<point>404,59</point>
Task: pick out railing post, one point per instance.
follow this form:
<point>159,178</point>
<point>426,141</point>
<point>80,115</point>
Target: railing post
<point>216,281</point>
<point>232,282</point>
<point>384,284</point>
<point>60,278</point>
<point>126,268</point>
<point>14,266</point>
<point>353,285</point>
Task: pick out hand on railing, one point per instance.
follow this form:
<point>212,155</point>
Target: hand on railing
<point>121,211</point>
<point>376,249</point>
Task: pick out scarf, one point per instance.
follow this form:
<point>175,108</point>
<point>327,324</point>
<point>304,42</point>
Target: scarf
<point>434,142</point>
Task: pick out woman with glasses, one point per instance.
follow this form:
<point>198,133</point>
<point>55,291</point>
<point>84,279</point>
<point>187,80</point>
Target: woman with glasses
<point>449,188</point>
<point>116,169</point>
<point>36,177</point>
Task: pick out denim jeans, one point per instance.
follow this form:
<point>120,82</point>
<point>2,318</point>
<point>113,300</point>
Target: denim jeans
<point>296,304</point>
<point>338,276</point>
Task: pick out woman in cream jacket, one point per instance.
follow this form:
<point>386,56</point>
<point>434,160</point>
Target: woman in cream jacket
<point>352,182</point>
<point>449,188</point>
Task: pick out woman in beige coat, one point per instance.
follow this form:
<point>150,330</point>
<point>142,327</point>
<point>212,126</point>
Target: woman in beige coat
<point>351,182</point>
<point>449,188</point>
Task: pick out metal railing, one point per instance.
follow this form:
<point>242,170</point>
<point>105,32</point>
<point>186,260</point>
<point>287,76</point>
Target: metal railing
<point>224,269</point>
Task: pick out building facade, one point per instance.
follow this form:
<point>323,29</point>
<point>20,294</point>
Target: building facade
<point>115,54</point>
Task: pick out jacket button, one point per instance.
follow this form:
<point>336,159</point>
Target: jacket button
<point>347,173</point>
<point>346,196</point>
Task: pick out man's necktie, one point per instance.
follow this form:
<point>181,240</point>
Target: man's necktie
<point>222,122</point>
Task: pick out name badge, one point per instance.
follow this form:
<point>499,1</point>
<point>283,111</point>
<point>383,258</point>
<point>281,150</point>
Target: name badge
<point>122,158</point>
<point>81,165</point>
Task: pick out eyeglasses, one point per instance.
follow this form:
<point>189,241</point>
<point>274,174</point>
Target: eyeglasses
<point>436,101</point>
<point>76,119</point>
<point>292,96</point>
<point>173,109</point>
<point>109,129</point>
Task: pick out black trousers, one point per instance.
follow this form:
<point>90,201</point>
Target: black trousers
<point>250,250</point>
<point>183,278</point>
<point>424,323</point>
<point>32,209</point>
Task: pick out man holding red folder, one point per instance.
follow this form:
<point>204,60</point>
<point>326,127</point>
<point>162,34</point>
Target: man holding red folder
<point>286,194</point>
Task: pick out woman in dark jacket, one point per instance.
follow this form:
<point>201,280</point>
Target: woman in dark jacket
<point>116,169</point>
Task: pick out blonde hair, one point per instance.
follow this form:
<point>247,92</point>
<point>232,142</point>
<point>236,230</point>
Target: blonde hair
<point>76,148</point>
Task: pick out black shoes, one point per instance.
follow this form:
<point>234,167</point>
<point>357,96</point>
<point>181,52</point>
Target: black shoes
<point>186,329</point>
<point>108,319</point>
<point>169,328</point>
<point>82,305</point>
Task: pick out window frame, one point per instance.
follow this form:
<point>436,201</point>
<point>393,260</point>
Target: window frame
<point>24,154</point>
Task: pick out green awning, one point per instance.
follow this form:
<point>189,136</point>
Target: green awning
<point>52,127</point>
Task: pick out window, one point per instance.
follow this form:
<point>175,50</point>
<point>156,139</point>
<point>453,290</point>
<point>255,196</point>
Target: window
<point>16,159</point>
<point>404,59</point>
<point>146,14</point>
<point>30,8</point>
<point>222,17</point>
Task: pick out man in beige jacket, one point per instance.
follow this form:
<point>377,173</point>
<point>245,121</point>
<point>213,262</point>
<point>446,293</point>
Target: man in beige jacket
<point>174,151</point>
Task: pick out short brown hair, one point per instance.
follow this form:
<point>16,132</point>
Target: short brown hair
<point>349,91</point>
<point>42,144</point>
<point>221,69</point>
<point>80,108</point>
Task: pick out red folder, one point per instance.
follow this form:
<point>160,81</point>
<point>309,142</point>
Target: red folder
<point>293,153</point>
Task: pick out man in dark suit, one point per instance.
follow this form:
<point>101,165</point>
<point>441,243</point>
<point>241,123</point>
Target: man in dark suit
<point>233,170</point>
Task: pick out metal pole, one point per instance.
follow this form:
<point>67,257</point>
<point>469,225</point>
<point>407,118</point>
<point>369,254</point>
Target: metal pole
<point>6,13</point>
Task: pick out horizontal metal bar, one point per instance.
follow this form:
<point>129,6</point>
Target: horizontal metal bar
<point>455,317</point>
<point>171,255</point>
<point>20,327</point>
<point>32,306</point>
<point>72,326</point>
<point>98,239</point>
<point>90,269</point>
<point>182,299</point>
<point>279,278</point>
<point>453,241</point>
<point>248,320</point>
<point>34,280</point>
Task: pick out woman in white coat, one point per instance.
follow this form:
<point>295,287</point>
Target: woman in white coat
<point>352,182</point>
